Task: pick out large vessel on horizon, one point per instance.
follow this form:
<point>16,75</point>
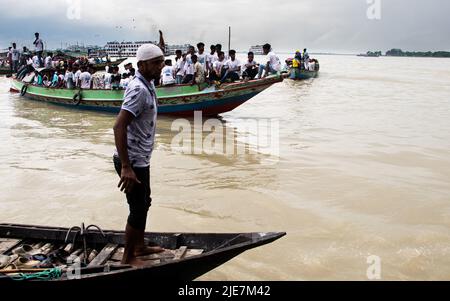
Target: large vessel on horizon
<point>129,49</point>
<point>257,50</point>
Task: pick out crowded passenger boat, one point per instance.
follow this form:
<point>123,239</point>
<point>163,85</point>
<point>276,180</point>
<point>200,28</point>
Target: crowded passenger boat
<point>197,66</point>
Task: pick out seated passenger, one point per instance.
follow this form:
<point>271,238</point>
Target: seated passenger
<point>167,74</point>
<point>115,79</point>
<point>98,81</point>
<point>55,78</point>
<point>272,62</point>
<point>48,61</point>
<point>124,81</point>
<point>218,70</point>
<point>85,78</point>
<point>233,67</point>
<point>199,71</point>
<point>250,67</point>
<point>26,69</point>
<point>69,79</point>
<point>37,78</point>
<point>188,70</point>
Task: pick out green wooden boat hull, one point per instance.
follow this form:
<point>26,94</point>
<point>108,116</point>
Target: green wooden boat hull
<point>297,74</point>
<point>5,71</point>
<point>175,100</point>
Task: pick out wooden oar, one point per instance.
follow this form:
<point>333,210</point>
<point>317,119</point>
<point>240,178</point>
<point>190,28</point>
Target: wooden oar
<point>27,271</point>
<point>24,271</point>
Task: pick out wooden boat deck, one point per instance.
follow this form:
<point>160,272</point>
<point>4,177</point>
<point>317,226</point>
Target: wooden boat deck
<point>186,256</point>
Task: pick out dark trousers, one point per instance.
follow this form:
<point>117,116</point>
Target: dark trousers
<point>15,66</point>
<point>39,55</point>
<point>188,78</point>
<point>139,199</point>
<point>27,69</point>
<point>214,77</point>
<point>250,73</point>
<point>231,75</point>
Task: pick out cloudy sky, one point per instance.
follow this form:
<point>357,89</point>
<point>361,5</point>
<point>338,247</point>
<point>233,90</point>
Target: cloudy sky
<point>344,26</point>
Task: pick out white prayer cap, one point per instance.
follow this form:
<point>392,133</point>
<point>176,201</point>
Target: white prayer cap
<point>147,52</point>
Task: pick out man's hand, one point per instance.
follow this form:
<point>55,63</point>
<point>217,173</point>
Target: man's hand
<point>127,180</point>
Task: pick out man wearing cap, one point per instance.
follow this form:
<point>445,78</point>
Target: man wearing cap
<point>134,134</point>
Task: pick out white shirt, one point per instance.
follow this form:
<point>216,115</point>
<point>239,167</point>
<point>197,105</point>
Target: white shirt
<point>233,65</point>
<point>188,58</point>
<point>15,54</point>
<point>167,76</point>
<point>124,82</point>
<point>249,64</point>
<point>211,58</point>
<point>108,80</point>
<point>36,62</point>
<point>69,74</point>
<point>77,76</point>
<point>180,67</point>
<point>48,62</point>
<point>201,58</point>
<point>188,68</point>
<point>274,61</point>
<point>200,72</point>
<point>39,45</point>
<point>85,79</point>
<point>218,65</point>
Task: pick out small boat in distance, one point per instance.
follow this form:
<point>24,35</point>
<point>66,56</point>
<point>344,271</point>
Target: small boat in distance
<point>297,72</point>
<point>53,251</point>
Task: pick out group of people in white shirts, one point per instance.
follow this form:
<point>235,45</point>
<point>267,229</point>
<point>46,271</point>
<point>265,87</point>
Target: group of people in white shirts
<point>189,68</point>
<point>199,67</point>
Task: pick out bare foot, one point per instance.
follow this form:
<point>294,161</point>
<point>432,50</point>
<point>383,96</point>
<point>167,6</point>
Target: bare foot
<point>148,251</point>
<point>135,262</point>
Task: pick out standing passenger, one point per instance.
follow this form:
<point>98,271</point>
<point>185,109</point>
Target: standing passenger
<point>39,48</point>
<point>15,56</point>
<point>134,134</point>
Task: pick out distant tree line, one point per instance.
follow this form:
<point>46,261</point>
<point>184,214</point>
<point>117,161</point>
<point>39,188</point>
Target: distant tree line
<point>399,52</point>
<point>374,53</point>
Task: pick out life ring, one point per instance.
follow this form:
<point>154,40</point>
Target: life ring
<point>77,98</point>
<point>24,89</point>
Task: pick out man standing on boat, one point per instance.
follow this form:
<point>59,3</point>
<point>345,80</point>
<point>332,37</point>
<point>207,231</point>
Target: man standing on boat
<point>134,133</point>
<point>39,48</point>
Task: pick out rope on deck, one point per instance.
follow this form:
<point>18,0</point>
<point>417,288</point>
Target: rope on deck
<point>44,276</point>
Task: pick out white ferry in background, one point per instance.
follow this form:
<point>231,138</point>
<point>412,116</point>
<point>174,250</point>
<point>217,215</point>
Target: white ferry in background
<point>129,49</point>
<point>257,50</point>
<point>124,49</point>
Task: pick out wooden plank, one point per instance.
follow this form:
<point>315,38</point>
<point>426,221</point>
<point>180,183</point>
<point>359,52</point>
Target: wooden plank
<point>159,256</point>
<point>117,256</point>
<point>180,253</point>
<point>104,255</point>
<point>7,244</point>
<point>194,252</point>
